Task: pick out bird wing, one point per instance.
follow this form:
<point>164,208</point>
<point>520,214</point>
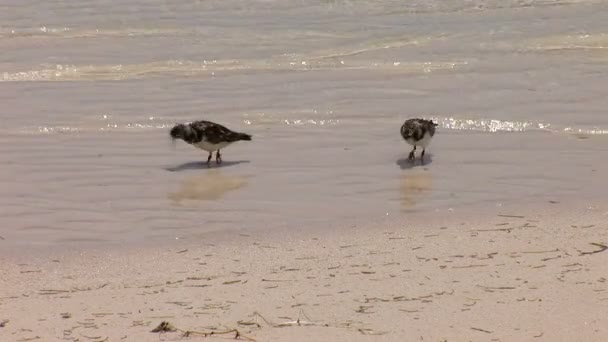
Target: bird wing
<point>212,132</point>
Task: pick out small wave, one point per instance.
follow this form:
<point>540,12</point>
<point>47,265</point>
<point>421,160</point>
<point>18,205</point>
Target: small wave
<point>311,117</point>
<point>316,118</point>
<point>597,41</point>
<point>450,7</point>
<point>380,44</point>
<point>81,129</point>
<point>589,131</point>
<point>188,68</point>
<point>69,32</point>
<point>490,125</point>
<point>103,123</point>
<point>495,125</point>
<point>50,129</point>
<point>142,126</point>
<point>105,72</point>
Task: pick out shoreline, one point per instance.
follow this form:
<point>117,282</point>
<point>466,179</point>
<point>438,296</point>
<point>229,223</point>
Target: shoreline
<point>465,214</point>
<point>528,274</point>
<point>94,191</point>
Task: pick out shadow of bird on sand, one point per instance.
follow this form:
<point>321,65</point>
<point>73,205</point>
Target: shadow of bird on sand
<point>406,164</point>
<point>201,165</point>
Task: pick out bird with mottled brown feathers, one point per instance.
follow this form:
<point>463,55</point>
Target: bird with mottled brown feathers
<point>208,136</point>
<point>418,132</point>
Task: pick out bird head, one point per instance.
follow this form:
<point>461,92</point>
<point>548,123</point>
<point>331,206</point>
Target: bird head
<point>178,131</point>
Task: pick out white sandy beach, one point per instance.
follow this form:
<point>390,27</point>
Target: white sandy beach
<point>513,275</point>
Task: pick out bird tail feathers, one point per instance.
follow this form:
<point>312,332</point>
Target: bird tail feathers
<point>242,136</point>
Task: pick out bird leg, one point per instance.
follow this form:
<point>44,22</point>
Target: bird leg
<point>209,158</point>
<point>412,155</point>
<point>218,157</point>
<point>422,156</point>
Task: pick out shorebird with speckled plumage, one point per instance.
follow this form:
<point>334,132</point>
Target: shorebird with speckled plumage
<point>418,132</point>
<point>208,136</point>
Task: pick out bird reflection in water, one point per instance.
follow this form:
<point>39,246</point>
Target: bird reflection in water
<point>210,185</point>
<point>414,184</point>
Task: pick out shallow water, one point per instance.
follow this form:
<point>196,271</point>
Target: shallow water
<point>89,90</point>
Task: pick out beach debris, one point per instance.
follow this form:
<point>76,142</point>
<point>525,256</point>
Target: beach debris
<point>248,323</point>
<point>276,280</point>
<point>138,323</point>
<point>494,288</point>
<point>73,289</point>
<point>3,323</point>
<point>28,339</point>
<point>95,338</point>
<point>102,314</point>
<point>296,323</point>
<point>508,230</point>
<point>90,324</point>
<point>364,309</point>
<point>180,303</point>
<point>165,326</point>
<point>540,252</point>
<point>66,315</point>
<point>215,306</point>
<point>257,314</point>
<point>293,323</point>
<point>482,330</point>
<point>373,300</point>
<point>53,292</point>
<point>471,266</point>
<point>372,332</point>
<point>524,299</point>
<point>602,248</point>
<point>306,258</point>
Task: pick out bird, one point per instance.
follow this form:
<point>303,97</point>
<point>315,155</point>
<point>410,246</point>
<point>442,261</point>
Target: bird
<point>418,132</point>
<point>208,136</point>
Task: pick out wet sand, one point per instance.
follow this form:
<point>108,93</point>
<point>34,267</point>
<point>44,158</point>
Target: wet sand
<point>514,274</point>
<point>84,189</point>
